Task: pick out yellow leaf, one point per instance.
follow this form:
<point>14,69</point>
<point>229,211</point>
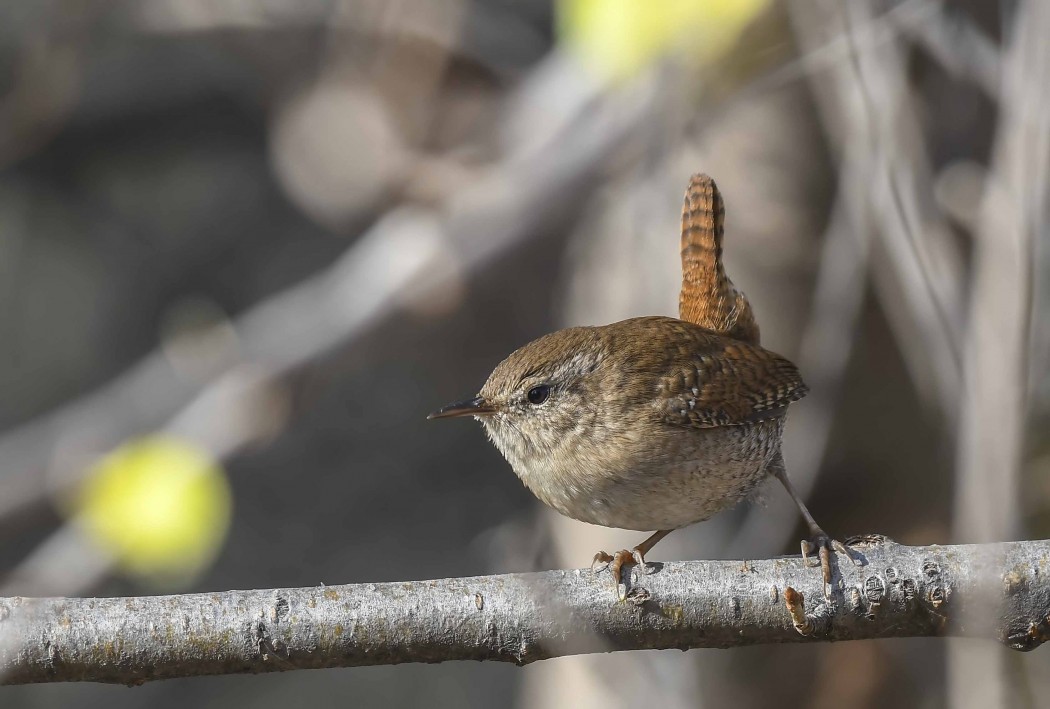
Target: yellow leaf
<point>618,38</point>
<point>161,506</point>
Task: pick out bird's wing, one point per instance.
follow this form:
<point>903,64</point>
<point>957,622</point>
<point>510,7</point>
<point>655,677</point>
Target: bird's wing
<point>725,383</point>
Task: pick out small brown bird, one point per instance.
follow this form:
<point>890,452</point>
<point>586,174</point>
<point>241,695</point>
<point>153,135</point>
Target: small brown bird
<point>651,423</point>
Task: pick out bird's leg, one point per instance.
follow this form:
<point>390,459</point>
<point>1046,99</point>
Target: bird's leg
<point>820,541</point>
<point>615,562</point>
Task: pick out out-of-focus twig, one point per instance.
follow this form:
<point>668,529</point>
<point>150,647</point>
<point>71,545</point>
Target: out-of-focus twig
<point>918,242</point>
<point>995,387</point>
<point>406,253</point>
<point>954,41</point>
<point>828,55</point>
<point>919,280</point>
<point>66,563</point>
<point>855,219</point>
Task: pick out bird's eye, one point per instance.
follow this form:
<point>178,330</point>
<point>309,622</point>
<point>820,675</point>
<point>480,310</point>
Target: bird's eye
<point>538,394</point>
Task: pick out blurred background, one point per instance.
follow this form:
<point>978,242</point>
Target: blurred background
<point>246,247</point>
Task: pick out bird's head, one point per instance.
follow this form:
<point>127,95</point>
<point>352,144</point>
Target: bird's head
<point>543,396</point>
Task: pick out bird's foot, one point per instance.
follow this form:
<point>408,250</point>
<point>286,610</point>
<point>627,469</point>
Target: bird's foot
<point>823,545</point>
<point>615,562</point>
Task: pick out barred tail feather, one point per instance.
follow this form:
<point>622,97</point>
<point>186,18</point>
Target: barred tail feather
<point>708,297</point>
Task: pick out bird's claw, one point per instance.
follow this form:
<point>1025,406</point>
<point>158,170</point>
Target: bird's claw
<point>823,545</point>
<point>600,562</point>
<point>615,563</point>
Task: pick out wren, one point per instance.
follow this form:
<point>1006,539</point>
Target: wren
<point>652,423</point>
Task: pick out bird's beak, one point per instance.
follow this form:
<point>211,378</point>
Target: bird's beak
<point>472,407</point>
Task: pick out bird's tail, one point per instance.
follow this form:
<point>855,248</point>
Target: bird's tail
<point>708,297</point>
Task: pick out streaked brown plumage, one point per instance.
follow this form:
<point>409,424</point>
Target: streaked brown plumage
<point>651,423</point>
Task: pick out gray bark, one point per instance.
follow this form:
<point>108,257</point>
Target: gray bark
<point>996,591</point>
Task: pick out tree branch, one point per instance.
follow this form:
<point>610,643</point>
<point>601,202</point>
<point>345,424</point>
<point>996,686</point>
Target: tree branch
<point>997,591</point>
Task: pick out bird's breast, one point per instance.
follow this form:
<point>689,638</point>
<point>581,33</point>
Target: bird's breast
<point>665,480</point>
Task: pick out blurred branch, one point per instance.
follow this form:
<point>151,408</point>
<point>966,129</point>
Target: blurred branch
<point>959,45</point>
<point>918,268</point>
<point>900,592</point>
<point>867,148</point>
<point>995,386</point>
<point>546,171</point>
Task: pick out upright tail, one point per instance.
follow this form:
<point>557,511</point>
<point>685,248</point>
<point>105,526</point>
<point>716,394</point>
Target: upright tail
<point>708,297</point>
